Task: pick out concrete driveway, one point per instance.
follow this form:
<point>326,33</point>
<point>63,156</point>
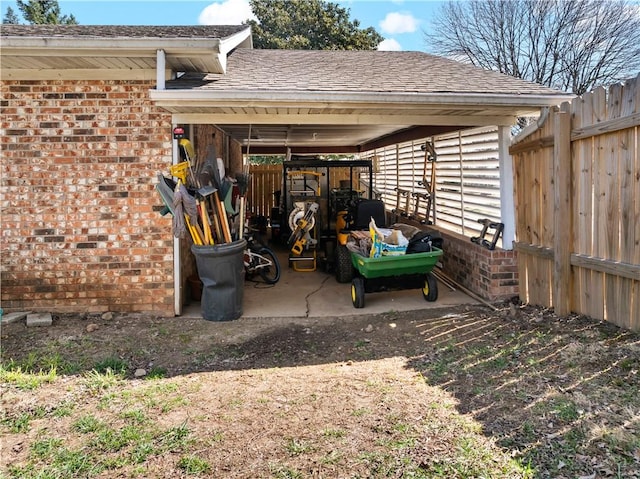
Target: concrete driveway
<point>318,294</point>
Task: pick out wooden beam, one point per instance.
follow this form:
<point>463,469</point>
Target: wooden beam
<point>215,114</point>
<point>533,250</point>
<point>531,145</point>
<point>305,150</point>
<point>607,126</point>
<point>617,268</point>
<point>562,236</point>
<point>410,134</point>
<point>79,74</point>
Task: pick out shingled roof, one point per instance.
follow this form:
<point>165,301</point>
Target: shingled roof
<point>120,31</point>
<point>354,99</point>
<point>115,51</point>
<point>356,71</point>
<point>351,99</point>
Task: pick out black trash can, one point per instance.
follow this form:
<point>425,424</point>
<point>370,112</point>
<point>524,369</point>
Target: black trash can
<point>221,270</point>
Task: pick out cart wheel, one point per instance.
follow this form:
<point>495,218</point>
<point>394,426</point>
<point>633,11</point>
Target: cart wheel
<point>344,267</point>
<point>357,292</point>
<point>430,288</point>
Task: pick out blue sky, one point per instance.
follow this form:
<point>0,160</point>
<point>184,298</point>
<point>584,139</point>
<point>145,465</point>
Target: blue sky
<point>400,22</point>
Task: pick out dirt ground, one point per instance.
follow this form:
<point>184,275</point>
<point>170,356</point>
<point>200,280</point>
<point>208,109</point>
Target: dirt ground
<point>455,392</point>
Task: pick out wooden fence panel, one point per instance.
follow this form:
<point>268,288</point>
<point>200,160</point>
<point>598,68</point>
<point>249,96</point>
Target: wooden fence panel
<point>634,242</point>
<point>265,180</point>
<point>546,220</point>
<point>604,219</point>
<point>533,171</point>
<point>597,100</point>
<point>520,221</point>
<point>630,202</point>
<point>611,181</point>
<point>582,162</point>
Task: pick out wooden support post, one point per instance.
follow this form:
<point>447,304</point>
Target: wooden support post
<point>562,227</point>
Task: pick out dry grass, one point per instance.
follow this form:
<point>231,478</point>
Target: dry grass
<point>456,393</point>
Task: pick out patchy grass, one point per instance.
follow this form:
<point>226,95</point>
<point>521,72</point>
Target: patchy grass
<point>458,394</point>
<point>27,378</point>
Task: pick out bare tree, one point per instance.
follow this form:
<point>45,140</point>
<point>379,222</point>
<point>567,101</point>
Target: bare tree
<point>570,45</point>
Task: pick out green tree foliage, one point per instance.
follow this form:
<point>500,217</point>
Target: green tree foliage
<point>570,45</point>
<point>266,159</point>
<point>39,12</point>
<point>308,25</point>
<point>10,17</point>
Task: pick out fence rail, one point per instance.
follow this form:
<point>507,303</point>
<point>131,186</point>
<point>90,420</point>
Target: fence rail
<point>577,180</point>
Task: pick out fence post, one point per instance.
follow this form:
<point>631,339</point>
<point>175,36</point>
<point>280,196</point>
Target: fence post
<point>562,219</point>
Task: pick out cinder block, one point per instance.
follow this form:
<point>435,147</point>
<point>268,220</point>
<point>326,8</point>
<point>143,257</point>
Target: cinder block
<point>14,317</point>
<point>39,319</point>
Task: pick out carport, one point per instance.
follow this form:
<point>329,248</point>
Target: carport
<point>105,98</point>
<point>350,102</point>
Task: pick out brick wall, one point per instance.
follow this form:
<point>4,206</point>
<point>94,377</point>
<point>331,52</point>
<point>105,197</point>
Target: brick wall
<point>491,274</point>
<point>81,229</point>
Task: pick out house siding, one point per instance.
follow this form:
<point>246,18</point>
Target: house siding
<point>81,223</point>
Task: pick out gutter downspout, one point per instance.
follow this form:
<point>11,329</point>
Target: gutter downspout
<point>177,271</point>
<point>177,248</point>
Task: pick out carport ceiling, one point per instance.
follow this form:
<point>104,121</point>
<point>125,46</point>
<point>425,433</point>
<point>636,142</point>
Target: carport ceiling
<point>347,101</point>
<point>276,139</point>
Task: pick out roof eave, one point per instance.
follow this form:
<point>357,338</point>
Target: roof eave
<point>116,43</point>
<point>262,97</point>
<point>212,52</point>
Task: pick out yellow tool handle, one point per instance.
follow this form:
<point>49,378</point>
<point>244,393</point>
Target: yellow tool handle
<point>208,237</point>
<point>195,236</point>
<point>222,216</point>
<point>298,247</point>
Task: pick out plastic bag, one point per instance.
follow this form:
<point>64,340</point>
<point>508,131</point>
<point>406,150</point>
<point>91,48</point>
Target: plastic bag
<point>381,246</point>
<point>396,238</point>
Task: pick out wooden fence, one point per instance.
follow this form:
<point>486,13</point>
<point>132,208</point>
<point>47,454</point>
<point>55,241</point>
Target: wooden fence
<point>577,182</point>
<point>267,179</point>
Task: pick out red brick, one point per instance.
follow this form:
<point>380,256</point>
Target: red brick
<point>71,142</point>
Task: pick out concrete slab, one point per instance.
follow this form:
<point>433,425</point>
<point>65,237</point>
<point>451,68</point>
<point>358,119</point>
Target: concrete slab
<point>39,319</point>
<point>334,299</point>
<point>318,294</point>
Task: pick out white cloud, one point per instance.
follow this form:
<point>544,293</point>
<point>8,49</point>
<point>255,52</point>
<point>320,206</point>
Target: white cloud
<point>389,45</point>
<point>228,12</point>
<point>397,22</point>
